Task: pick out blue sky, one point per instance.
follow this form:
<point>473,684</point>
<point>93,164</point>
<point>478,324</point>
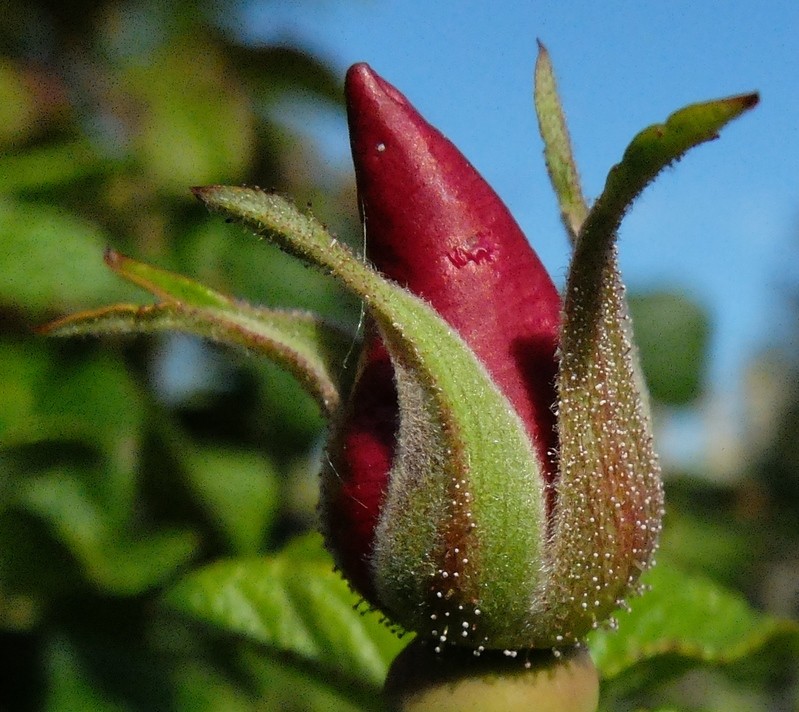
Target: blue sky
<point>722,225</point>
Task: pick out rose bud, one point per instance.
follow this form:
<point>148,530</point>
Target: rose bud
<point>479,553</point>
<point>435,226</point>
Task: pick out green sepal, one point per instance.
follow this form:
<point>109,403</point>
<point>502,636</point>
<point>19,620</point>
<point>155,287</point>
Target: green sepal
<point>306,345</point>
<point>610,497</point>
<point>560,162</point>
<point>459,543</point>
<point>650,152</point>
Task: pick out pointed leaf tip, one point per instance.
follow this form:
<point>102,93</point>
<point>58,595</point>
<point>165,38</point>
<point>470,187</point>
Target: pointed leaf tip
<point>558,153</point>
<point>656,147</point>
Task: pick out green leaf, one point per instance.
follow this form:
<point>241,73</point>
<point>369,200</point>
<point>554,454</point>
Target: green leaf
<point>685,616</point>
<point>92,401</point>
<point>48,166</point>
<point>240,491</point>
<point>196,122</point>
<point>200,688</point>
<point>286,683</point>
<point>21,587</point>
<point>17,104</point>
<point>557,146</point>
<point>295,603</point>
<point>279,70</point>
<point>672,333</point>
<point>95,394</point>
<point>48,260</point>
<point>454,425</point>
<point>23,370</point>
<point>70,685</point>
<point>313,350</point>
<point>121,562</point>
<point>706,532</point>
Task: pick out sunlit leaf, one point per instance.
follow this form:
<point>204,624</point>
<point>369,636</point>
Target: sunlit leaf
<point>295,603</point>
<point>685,616</point>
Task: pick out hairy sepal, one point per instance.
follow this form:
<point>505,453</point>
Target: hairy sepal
<point>610,499</point>
<point>303,343</point>
<point>459,543</point>
<point>558,155</point>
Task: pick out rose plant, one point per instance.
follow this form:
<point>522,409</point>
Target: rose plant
<point>490,482</point>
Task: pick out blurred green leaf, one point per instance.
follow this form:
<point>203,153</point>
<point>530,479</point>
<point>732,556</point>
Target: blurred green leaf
<point>48,166</point>
<point>26,590</point>
<point>92,404</point>
<point>672,333</point>
<point>199,688</point>
<point>23,368</point>
<point>283,70</point>
<point>721,545</point>
<point>293,419</point>
<point>284,686</point>
<point>50,260</point>
<point>121,562</point>
<point>259,272</point>
<point>295,603</point>
<point>19,607</point>
<point>95,394</point>
<point>197,125</point>
<point>240,491</point>
<point>684,616</point>
<point>17,105</point>
<point>70,686</point>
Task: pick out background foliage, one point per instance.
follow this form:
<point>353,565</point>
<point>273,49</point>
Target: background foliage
<point>148,487</point>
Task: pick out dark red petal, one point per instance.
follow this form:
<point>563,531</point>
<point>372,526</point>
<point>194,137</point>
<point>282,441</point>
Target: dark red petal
<point>435,226</point>
<point>360,451</point>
